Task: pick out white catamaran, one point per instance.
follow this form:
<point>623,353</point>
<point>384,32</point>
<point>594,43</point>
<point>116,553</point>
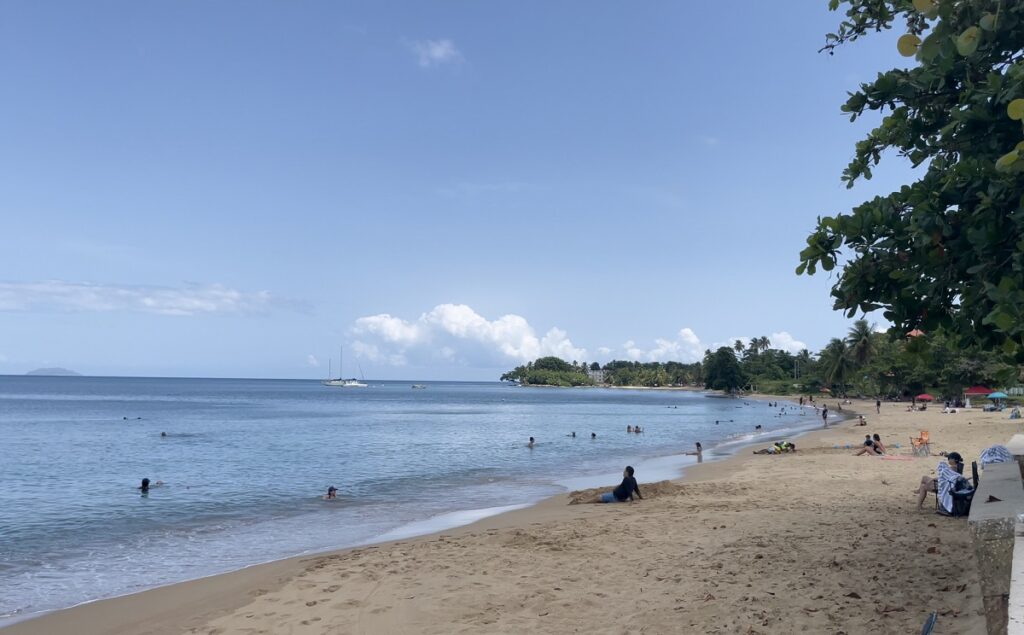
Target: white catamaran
<point>340,382</point>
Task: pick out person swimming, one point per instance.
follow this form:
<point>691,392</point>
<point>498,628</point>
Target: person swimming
<point>629,428</point>
<point>144,488</point>
<point>593,435</point>
<point>332,493</point>
<point>531,443</point>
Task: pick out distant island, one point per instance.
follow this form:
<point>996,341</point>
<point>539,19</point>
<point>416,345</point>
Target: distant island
<point>54,372</point>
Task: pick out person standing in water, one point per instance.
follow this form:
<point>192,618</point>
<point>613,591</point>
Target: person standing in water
<point>531,443</point>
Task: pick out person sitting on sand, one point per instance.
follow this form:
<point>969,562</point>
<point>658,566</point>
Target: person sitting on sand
<point>869,447</point>
<point>332,493</point>
<point>878,443</point>
<point>946,474</point>
<point>624,492</point>
<point>861,421</point>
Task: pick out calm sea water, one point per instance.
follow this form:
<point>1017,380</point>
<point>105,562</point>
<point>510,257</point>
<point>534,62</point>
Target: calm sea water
<point>245,462</point>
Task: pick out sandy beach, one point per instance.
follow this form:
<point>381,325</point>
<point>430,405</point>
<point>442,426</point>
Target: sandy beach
<point>819,541</point>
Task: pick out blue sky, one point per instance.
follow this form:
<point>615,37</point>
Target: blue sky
<point>447,189</point>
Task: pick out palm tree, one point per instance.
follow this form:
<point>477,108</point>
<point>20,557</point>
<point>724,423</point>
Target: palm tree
<point>763,343</point>
<point>859,339</point>
<point>836,362</point>
<point>738,346</point>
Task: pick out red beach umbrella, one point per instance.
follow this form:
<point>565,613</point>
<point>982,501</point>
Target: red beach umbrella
<point>925,397</point>
<point>978,390</point>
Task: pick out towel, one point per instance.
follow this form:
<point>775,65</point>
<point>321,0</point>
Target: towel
<point>945,480</point>
<point>996,454</point>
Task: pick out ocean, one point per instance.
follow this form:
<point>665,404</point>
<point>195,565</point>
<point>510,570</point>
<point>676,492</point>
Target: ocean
<point>244,465</point>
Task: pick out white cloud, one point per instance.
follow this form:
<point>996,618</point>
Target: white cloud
<point>604,351</point>
<point>729,342</point>
<point>58,295</point>
<point>786,342</point>
<point>435,52</point>
<point>685,347</point>
<point>780,340</point>
<point>455,333</point>
<point>313,361</point>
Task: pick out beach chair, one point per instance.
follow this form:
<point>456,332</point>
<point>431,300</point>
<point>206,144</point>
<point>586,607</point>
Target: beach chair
<point>921,446</point>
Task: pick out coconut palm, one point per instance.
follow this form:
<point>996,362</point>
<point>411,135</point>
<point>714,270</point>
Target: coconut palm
<point>836,362</point>
<point>859,340</point>
<point>738,346</point>
<point>763,343</point>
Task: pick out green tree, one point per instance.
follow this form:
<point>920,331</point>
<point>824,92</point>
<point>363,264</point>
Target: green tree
<point>836,363</point>
<point>738,346</point>
<point>860,338</point>
<point>554,363</point>
<point>722,371</point>
<point>946,250</point>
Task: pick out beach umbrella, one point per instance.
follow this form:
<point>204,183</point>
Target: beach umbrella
<point>997,395</point>
<point>978,390</point>
<point>925,397</point>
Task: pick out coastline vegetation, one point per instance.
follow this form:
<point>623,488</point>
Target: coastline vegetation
<point>863,362</point>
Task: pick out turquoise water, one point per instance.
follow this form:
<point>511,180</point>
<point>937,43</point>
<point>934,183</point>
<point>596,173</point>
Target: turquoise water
<point>245,462</point>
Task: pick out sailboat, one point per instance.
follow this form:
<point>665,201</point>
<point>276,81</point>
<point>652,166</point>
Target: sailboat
<point>340,382</point>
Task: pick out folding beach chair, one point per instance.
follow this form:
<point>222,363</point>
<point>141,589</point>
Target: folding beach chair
<point>921,445</point>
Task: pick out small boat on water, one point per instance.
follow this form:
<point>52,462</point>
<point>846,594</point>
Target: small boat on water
<point>340,382</point>
<point>418,386</point>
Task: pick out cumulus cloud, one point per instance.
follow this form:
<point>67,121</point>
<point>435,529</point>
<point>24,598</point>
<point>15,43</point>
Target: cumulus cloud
<point>780,340</point>
<point>786,342</point>
<point>457,333</point>
<point>435,52</point>
<point>59,295</point>
<point>312,361</point>
<point>684,347</point>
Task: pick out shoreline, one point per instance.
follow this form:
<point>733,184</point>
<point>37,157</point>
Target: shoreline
<point>224,590</point>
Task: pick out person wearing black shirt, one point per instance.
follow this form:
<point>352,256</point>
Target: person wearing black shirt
<point>624,492</point>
